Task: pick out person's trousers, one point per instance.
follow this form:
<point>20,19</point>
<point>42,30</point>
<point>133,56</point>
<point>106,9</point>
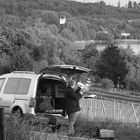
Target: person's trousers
<point>72,120</point>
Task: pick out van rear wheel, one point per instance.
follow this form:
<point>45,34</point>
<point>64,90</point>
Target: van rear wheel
<point>17,112</point>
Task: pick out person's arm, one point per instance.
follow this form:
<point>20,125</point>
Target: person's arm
<point>74,94</point>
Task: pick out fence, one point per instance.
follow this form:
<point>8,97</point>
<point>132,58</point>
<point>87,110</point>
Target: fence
<point>110,108</point>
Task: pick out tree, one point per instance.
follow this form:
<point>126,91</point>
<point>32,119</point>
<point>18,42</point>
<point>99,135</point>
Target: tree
<point>68,34</point>
<point>12,20</point>
<point>92,34</point>
<point>104,36</point>
<point>50,17</point>
<point>130,4</point>
<point>111,64</point>
<point>37,53</point>
<point>90,56</point>
<point>102,3</point>
<point>107,84</point>
<point>21,61</point>
<point>135,5</point>
<point>133,67</point>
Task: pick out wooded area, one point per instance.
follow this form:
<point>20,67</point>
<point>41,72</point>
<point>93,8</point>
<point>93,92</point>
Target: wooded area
<point>32,37</point>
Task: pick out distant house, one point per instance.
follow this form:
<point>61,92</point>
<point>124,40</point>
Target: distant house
<point>123,34</point>
<point>103,30</point>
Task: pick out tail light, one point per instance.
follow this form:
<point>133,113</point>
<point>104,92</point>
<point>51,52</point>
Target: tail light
<point>32,102</point>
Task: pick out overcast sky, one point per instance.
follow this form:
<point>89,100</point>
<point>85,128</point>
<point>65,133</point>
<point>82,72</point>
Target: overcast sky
<point>111,2</point>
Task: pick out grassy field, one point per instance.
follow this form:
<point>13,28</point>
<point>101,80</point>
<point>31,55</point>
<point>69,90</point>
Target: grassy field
<point>21,128</point>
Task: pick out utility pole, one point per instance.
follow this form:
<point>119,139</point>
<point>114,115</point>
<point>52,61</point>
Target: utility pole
<point>119,3</point>
<point>118,84</point>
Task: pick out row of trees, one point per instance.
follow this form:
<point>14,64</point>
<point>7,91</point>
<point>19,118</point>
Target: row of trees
<point>134,5</point>
<point>100,9</point>
<point>95,21</point>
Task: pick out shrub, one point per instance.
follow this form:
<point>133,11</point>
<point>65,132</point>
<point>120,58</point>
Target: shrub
<point>21,61</point>
<point>107,83</point>
<point>5,69</point>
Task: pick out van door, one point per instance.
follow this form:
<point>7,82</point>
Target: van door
<point>8,93</point>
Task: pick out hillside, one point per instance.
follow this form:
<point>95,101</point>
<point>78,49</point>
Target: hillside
<point>98,16</point>
<point>32,37</point>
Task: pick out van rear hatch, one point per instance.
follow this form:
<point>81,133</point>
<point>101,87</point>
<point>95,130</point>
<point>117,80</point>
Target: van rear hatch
<point>50,94</point>
<point>66,69</point>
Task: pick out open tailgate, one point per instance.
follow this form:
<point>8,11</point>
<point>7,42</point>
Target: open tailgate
<point>66,69</point>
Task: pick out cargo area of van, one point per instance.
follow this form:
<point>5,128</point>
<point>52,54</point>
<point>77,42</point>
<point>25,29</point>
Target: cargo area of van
<point>50,96</point>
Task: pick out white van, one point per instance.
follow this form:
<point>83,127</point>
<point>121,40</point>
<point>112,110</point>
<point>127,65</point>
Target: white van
<point>32,93</point>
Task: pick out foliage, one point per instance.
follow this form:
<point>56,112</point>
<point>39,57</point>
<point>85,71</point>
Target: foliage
<point>37,53</point>
<point>49,17</point>
<point>90,56</point>
<point>135,23</point>
<point>21,61</point>
<point>132,65</point>
<point>31,29</point>
<point>99,14</point>
<point>107,84</point>
<point>109,66</point>
<point>130,4</point>
<point>104,36</point>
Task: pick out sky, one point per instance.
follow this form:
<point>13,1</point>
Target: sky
<point>111,2</point>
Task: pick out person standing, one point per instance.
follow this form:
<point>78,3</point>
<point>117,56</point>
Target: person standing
<point>72,106</point>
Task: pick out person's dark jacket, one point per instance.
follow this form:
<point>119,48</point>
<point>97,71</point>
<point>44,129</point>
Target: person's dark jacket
<point>72,100</point>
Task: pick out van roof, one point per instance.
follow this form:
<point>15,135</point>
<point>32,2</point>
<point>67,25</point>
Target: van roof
<point>65,69</point>
<point>18,74</point>
<point>32,74</point>
<point>24,72</point>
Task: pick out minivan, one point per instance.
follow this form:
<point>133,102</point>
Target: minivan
<point>32,93</point>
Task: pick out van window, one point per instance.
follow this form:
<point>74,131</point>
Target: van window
<point>17,86</point>
<point>1,83</point>
<point>23,86</point>
<point>11,86</point>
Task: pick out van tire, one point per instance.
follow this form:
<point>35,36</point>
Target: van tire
<point>17,111</point>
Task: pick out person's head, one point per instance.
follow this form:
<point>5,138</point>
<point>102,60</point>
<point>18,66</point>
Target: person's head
<point>72,84</point>
<point>76,77</point>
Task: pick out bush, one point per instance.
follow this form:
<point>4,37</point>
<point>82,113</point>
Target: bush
<point>21,61</point>
<point>107,83</point>
<point>5,69</point>
<point>104,36</point>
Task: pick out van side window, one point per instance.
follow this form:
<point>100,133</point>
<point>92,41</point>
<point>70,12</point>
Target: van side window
<point>11,86</point>
<point>1,83</point>
<point>23,86</point>
<point>17,86</point>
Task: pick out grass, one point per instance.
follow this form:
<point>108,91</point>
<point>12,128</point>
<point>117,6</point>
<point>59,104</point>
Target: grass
<point>18,128</point>
<point>23,128</point>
